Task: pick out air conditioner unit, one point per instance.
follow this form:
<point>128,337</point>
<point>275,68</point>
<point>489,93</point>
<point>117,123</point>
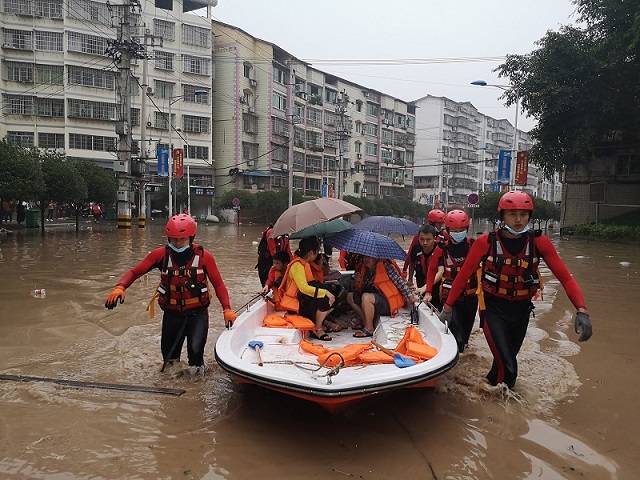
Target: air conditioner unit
<point>284,166</point>
<point>253,82</point>
<point>252,109</point>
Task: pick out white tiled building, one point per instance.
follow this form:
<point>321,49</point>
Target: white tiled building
<point>261,88</point>
<point>58,86</point>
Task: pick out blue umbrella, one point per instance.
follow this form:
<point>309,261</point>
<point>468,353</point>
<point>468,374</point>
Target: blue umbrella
<point>366,243</point>
<point>323,229</point>
<point>387,225</point>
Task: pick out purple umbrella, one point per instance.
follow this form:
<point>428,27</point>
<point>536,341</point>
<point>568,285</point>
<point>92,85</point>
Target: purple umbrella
<point>387,225</point>
<point>366,243</point>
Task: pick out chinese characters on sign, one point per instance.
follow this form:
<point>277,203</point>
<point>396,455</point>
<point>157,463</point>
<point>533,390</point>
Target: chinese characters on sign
<point>178,162</point>
<point>163,162</point>
<point>522,168</point>
<point>504,167</point>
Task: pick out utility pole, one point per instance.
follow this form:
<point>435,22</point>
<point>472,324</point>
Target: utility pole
<point>290,106</point>
<point>123,50</point>
<point>341,135</point>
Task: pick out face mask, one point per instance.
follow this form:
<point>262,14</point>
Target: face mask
<point>178,250</point>
<point>515,232</point>
<point>457,237</point>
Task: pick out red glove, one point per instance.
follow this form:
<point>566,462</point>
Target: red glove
<point>229,317</point>
<point>112,299</point>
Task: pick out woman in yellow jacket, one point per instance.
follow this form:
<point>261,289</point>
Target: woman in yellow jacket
<point>302,293</point>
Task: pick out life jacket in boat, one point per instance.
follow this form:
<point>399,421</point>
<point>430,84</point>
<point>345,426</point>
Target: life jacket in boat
<point>383,284</point>
<point>183,288</point>
<point>511,277</point>
<point>288,289</point>
<point>452,267</point>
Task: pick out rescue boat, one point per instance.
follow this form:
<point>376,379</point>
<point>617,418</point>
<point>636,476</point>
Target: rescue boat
<point>283,366</point>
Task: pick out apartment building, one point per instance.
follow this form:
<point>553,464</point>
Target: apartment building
<point>269,105</point>
<point>59,88</point>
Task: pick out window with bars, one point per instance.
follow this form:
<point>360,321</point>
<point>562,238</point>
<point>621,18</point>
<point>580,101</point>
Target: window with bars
<point>370,129</point>
<point>331,119</point>
<point>24,139</point>
<point>249,151</point>
<point>279,126</point>
<point>35,8</point>
<point>163,89</point>
<point>373,109</point>
<point>313,184</point>
<point>51,140</point>
<point>196,151</point>
<point>135,117</point>
<point>279,153</point>
<point>48,41</point>
<point>314,117</point>
<point>92,142</point>
<point>314,140</point>
<point>17,104</point>
<point>50,107</point>
<point>197,65</point>
<point>18,39</point>
<point>280,75</point>
<point>298,183</point>
<point>90,77</point>
<point>91,110</point>
<point>97,12</point>
<point>161,120</point>
<point>194,124</point>
<point>164,60</point>
<point>18,72</point>
<point>298,161</point>
<point>189,94</point>
<point>198,36</point>
<point>165,30</point>
<point>372,149</point>
<point>49,74</point>
<point>249,123</point>
<point>314,164</point>
<point>85,43</point>
<point>279,101</point>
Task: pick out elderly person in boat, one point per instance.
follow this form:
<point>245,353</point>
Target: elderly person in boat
<point>379,290</point>
<point>302,293</point>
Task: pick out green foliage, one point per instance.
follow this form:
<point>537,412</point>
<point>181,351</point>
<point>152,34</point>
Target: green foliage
<point>264,207</point>
<point>580,84</point>
<point>543,210</point>
<point>608,232</point>
<point>247,199</point>
<point>21,177</point>
<point>102,185</point>
<point>63,181</point>
<point>395,206</point>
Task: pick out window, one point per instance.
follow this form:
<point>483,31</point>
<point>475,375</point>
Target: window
<point>298,183</point>
<point>189,94</point>
<point>279,126</point>
<point>19,39</point>
<point>91,110</point>
<point>331,96</point>
<point>92,142</point>
<point>94,12</point>
<point>161,120</point>
<point>314,164</point>
<point>314,140</point>
<point>279,101</point>
<point>373,109</point>
<point>90,77</point>
<point>356,188</point>
<point>331,119</point>
<point>314,117</point>
<point>313,184</point>
<point>387,136</point>
<point>18,72</point>
<point>279,153</point>
<point>198,36</point>
<point>280,75</point>
<point>135,117</point>
<point>17,104</point>
<point>359,105</point>
<point>24,139</point>
<point>193,124</point>
<point>370,129</point>
<point>298,161</point>
<point>50,107</point>
<point>164,60</point>
<point>51,140</point>
<point>372,149</point>
<point>411,122</point>
<point>249,151</point>
<point>49,74</point>
<point>165,30</point>
<point>358,147</point>
<point>250,123</point>
<point>299,113</point>
<point>247,70</point>
<point>84,43</point>
<point>195,151</point>
<point>35,8</point>
<point>197,65</point>
<point>163,89</point>
<point>358,126</point>
<point>386,155</point>
<point>400,121</point>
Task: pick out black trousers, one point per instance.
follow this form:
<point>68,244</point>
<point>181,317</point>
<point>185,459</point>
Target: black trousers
<point>263,266</point>
<point>464,314</point>
<point>194,325</point>
<point>504,324</point>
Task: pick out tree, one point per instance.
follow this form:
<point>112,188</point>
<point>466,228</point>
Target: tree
<point>102,185</point>
<point>64,184</point>
<point>21,177</point>
<point>580,84</point>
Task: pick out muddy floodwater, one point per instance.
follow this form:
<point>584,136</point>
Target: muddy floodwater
<point>573,415</point>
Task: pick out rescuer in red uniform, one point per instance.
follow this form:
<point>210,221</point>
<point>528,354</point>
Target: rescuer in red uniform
<point>183,293</point>
<point>435,218</point>
<point>510,279</point>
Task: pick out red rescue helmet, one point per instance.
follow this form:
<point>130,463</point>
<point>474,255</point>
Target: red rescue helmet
<point>435,216</point>
<point>456,219</point>
<point>515,200</point>
<point>180,226</point>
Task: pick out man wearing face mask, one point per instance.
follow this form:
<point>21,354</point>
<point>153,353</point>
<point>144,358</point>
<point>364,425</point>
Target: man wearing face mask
<point>510,279</point>
<point>446,262</point>
<point>183,293</point>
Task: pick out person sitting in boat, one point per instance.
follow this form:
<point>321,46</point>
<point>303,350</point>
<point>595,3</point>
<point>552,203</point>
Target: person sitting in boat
<point>276,273</point>
<point>379,290</point>
<point>301,293</point>
<point>510,279</point>
<point>183,293</point>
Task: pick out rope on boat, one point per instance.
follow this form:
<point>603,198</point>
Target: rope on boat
<point>331,372</point>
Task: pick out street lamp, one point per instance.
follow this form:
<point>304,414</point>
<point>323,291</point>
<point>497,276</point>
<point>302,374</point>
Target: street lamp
<point>505,88</point>
<point>172,100</point>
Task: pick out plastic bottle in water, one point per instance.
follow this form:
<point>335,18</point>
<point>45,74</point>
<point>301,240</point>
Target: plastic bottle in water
<point>39,293</point>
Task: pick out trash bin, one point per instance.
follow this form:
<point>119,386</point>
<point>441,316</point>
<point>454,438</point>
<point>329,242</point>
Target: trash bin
<point>33,218</point>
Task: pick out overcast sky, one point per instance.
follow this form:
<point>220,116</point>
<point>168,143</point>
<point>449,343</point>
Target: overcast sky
<point>373,29</point>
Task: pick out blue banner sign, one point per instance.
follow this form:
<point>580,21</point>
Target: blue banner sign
<point>504,167</point>
<point>163,162</point>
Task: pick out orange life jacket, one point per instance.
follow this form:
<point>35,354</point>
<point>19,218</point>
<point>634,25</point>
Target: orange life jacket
<point>512,277</point>
<point>451,269</point>
<point>288,289</point>
<point>384,284</point>
<point>318,271</point>
<point>183,288</point>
